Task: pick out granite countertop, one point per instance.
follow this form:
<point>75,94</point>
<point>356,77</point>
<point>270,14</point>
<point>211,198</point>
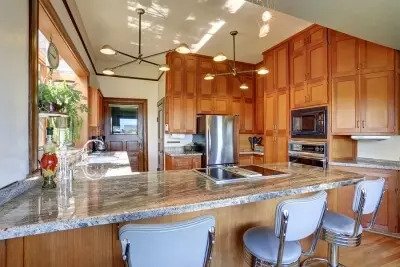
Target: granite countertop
<point>183,154</point>
<point>108,193</point>
<point>251,153</point>
<point>368,163</point>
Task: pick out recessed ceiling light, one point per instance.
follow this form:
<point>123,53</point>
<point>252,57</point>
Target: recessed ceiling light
<point>244,86</point>
<point>183,49</point>
<point>209,77</point>
<point>266,16</point>
<point>108,72</point>
<point>219,57</point>
<point>107,50</point>
<point>262,71</point>
<point>164,67</point>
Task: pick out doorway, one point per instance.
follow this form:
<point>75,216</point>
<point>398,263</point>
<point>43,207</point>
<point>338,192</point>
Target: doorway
<point>125,129</point>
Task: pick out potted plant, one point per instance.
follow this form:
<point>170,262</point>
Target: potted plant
<point>63,97</point>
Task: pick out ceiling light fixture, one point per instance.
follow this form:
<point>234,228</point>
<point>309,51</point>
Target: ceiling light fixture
<point>244,86</point>
<point>233,71</point>
<point>262,71</point>
<point>183,49</point>
<point>108,72</point>
<point>108,50</point>
<point>219,57</point>
<point>209,77</point>
<point>164,67</point>
<point>264,30</point>
<point>266,16</point>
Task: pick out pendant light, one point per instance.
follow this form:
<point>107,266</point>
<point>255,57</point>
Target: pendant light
<point>164,67</point>
<point>219,57</point>
<point>183,49</point>
<point>266,16</point>
<point>140,58</point>
<point>244,86</point>
<point>262,71</point>
<point>264,30</point>
<point>108,71</point>
<point>209,77</point>
<point>233,71</point>
<point>107,50</point>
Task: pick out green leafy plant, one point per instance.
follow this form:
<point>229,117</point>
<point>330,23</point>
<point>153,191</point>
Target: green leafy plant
<point>67,100</point>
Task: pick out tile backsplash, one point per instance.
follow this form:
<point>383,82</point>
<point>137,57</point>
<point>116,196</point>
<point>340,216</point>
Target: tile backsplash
<point>177,140</point>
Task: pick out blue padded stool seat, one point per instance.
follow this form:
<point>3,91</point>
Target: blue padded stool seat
<point>262,243</point>
<point>339,224</point>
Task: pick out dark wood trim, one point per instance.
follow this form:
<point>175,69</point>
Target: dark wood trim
<point>133,101</point>
<point>55,19</point>
<point>128,77</point>
<point>33,84</point>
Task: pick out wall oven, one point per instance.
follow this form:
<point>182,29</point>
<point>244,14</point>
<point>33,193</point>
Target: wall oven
<point>309,123</point>
<point>309,153</point>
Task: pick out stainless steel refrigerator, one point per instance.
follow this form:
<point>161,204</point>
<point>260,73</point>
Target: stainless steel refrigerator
<point>218,136</point>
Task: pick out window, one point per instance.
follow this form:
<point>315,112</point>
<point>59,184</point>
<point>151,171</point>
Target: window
<point>124,119</point>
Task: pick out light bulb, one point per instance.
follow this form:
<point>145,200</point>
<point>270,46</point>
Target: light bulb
<point>264,30</point>
<point>183,49</point>
<point>266,16</point>
<point>244,86</point>
<point>262,71</point>
<point>219,57</point>
<point>108,72</point>
<point>208,77</point>
<point>164,67</point>
<point>107,50</point>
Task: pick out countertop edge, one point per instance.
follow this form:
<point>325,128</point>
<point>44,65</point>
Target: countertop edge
<point>70,224</point>
<point>364,165</point>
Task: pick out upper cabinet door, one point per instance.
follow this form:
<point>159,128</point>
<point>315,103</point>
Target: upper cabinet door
<point>378,102</point>
<point>221,82</point>
<point>269,63</point>
<point>345,105</point>
<point>176,74</point>
<point>317,35</point>
<point>191,75</point>
<point>177,109</point>
<point>269,113</point>
<point>205,87</point>
<point>189,115</point>
<point>248,93</point>
<point>375,58</point>
<point>235,83</point>
<point>259,116</point>
<point>317,62</point>
<point>282,67</point>
<point>344,53</point>
<point>260,86</point>
<point>282,112</point>
<point>248,116</point>
<point>298,43</point>
<point>298,66</point>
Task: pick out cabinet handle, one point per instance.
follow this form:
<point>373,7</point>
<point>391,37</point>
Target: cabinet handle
<point>363,124</point>
<point>305,98</point>
<point>358,124</point>
<point>305,76</point>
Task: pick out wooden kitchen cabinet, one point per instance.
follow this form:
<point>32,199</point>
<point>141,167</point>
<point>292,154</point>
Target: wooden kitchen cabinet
<point>95,105</point>
<point>388,214</point>
<point>375,58</point>
<point>282,67</point>
<point>259,103</point>
<point>245,159</point>
<point>258,159</point>
<point>276,127</point>
<point>344,54</point>
<point>182,162</point>
<point>308,64</point>
<point>181,87</point>
<point>269,80</point>
<point>364,104</point>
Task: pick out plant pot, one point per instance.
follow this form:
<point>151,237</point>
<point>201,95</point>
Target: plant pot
<point>53,107</point>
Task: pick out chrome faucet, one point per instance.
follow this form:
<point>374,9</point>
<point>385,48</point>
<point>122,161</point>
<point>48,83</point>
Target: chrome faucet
<point>83,150</point>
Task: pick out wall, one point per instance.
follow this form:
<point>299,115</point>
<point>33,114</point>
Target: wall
<point>129,88</point>
<point>14,90</point>
<point>388,149</point>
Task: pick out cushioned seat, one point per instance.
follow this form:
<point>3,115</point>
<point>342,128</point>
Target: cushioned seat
<point>262,243</point>
<point>339,224</point>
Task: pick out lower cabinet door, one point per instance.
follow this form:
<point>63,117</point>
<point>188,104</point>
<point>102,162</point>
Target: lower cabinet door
<point>245,159</point>
<point>258,159</point>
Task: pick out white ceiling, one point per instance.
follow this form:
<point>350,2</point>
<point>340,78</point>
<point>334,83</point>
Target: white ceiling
<point>114,22</point>
<point>373,20</point>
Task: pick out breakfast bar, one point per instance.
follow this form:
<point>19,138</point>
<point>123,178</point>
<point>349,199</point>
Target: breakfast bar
<point>103,195</point>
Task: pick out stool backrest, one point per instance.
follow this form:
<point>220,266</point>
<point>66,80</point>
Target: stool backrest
<point>304,216</point>
<point>373,190</point>
<point>186,243</point>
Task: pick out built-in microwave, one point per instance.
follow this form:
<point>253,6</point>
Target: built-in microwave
<point>309,123</point>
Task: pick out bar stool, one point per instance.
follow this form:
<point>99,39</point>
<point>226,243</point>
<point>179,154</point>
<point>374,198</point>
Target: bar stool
<point>340,230</point>
<point>295,219</point>
<point>181,244</point>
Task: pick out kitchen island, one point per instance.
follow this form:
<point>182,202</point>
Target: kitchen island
<point>47,227</point>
